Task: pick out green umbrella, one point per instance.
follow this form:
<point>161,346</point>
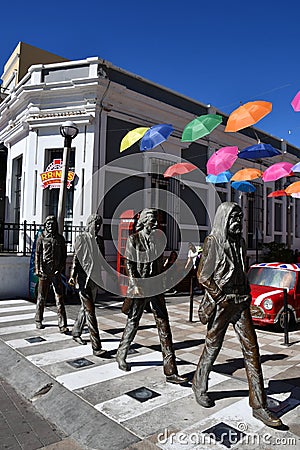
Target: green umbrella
<point>201,126</point>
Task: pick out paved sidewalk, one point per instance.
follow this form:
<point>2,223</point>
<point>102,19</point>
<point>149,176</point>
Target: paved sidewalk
<point>93,405</point>
<point>22,427</point>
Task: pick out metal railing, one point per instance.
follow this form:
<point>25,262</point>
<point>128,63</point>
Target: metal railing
<point>19,237</point>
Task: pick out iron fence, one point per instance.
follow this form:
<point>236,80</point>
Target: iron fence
<point>19,237</point>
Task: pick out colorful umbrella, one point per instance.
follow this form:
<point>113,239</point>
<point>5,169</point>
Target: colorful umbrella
<point>296,102</point>
<point>296,168</point>
<point>179,169</point>
<point>221,160</point>
<point>246,174</point>
<point>248,114</point>
<point>243,186</point>
<point>293,188</point>
<point>280,193</point>
<point>132,137</point>
<point>258,151</point>
<point>276,171</point>
<point>295,195</point>
<point>222,177</point>
<point>201,126</point>
<point>155,136</point>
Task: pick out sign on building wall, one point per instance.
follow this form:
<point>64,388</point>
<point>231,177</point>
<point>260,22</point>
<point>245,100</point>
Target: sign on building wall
<point>52,176</point>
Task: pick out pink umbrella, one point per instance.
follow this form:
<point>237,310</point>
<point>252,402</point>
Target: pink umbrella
<point>221,160</point>
<point>276,171</point>
<point>296,102</point>
<point>179,169</point>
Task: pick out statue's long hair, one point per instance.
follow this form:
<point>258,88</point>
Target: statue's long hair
<point>144,217</point>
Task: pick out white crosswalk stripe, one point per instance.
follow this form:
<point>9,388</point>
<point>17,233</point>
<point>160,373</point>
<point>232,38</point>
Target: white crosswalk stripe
<point>53,337</point>
<point>57,356</point>
<point>17,308</point>
<point>13,302</point>
<point>124,407</point>
<point>23,327</point>
<point>108,371</point>
<point>19,317</point>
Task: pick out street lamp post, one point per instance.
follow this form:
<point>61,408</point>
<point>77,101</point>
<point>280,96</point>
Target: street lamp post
<point>69,131</point>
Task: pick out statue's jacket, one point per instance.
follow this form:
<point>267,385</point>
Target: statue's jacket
<point>222,267</point>
<point>51,254</point>
<point>143,260</point>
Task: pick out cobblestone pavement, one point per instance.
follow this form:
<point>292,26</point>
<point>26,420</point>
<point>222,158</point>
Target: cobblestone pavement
<point>94,405</point>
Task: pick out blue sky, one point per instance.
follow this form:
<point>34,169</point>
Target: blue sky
<point>220,52</point>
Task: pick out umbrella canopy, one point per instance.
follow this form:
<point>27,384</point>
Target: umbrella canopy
<point>293,188</point>
<point>155,136</point>
<point>132,137</point>
<point>201,126</point>
<point>276,171</point>
<point>280,193</point>
<point>222,177</point>
<point>295,195</point>
<point>243,186</point>
<point>296,102</point>
<point>179,169</point>
<point>248,114</point>
<point>221,160</point>
<point>296,168</point>
<point>246,174</point>
<point>258,151</point>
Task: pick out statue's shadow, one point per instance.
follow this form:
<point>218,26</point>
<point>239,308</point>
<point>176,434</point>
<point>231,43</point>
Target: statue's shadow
<point>233,364</point>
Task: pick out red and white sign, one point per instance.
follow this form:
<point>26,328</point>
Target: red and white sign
<point>52,176</point>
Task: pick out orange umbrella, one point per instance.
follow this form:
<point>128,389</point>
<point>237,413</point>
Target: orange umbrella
<point>246,174</point>
<point>248,114</point>
<point>293,188</point>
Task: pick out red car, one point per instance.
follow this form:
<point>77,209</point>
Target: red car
<point>267,282</point>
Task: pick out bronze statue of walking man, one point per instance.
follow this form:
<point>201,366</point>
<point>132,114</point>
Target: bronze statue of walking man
<point>50,260</point>
<point>227,300</point>
<point>86,271</point>
<point>144,262</point>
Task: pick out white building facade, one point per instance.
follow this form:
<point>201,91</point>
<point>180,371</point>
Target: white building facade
<point>106,102</point>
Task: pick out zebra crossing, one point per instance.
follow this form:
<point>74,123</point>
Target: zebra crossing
<point>139,400</point>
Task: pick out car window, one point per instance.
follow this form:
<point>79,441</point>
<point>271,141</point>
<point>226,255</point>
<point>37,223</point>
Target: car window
<point>265,276</point>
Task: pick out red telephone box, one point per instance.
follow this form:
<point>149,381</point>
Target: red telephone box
<point>126,227</point>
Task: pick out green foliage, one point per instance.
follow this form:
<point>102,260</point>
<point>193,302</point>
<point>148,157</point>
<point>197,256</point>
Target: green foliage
<point>277,252</point>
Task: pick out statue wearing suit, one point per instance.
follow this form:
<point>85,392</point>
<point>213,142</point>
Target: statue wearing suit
<point>86,271</point>
<point>50,260</point>
<point>144,260</point>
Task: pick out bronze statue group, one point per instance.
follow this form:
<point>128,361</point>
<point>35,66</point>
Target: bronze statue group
<point>221,273</point>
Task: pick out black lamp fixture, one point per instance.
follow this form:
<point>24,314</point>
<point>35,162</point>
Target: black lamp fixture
<point>69,131</point>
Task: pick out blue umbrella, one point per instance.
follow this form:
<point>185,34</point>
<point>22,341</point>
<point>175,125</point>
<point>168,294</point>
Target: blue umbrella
<point>155,136</point>
<point>243,186</point>
<point>296,168</point>
<point>258,151</point>
<point>222,177</point>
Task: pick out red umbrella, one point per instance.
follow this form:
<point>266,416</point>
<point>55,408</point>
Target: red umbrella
<point>179,169</point>
<point>248,114</point>
<point>277,170</point>
<point>280,193</point>
<point>221,160</point>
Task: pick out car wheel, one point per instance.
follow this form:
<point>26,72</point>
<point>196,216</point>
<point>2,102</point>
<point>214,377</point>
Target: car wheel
<point>280,323</point>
